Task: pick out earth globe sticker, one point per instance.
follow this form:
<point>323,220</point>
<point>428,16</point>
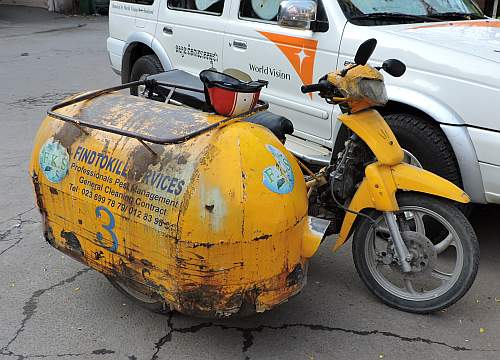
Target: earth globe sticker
<point>279,177</point>
<point>54,160</point>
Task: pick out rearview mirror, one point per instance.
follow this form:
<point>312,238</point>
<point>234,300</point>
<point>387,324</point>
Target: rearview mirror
<point>365,51</point>
<point>394,67</point>
<point>297,14</point>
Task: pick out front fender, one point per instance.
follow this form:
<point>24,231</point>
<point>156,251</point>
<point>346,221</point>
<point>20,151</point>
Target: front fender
<point>412,178</point>
<point>378,191</point>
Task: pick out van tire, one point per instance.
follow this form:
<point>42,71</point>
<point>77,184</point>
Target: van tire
<point>144,66</point>
<point>425,140</point>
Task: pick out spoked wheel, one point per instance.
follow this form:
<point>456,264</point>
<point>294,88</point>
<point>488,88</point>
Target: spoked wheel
<point>148,300</point>
<point>444,255</point>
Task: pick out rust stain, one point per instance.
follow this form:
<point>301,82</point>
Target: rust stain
<point>67,135</point>
<point>182,159</point>
<point>205,245</point>
<point>72,242</point>
<point>262,237</point>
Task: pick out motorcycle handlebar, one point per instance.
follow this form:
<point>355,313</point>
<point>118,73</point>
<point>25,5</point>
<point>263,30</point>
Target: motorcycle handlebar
<point>323,85</point>
<point>310,88</point>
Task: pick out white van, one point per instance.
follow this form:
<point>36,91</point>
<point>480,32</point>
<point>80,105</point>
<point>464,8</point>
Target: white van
<point>444,110</point>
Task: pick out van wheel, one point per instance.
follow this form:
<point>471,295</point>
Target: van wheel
<point>144,66</point>
<point>424,141</point>
<point>426,146</point>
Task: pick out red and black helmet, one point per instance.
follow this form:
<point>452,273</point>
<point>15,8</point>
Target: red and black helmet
<point>228,95</point>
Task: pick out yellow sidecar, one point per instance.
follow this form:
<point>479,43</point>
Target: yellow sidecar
<point>204,214</point>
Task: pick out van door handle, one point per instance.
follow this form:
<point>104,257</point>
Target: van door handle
<point>168,30</point>
<point>240,44</point>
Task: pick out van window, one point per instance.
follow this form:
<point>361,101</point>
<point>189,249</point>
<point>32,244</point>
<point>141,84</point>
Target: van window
<point>267,11</point>
<point>210,7</point>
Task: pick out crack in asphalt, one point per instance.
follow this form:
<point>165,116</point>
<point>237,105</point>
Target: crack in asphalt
<point>248,334</point>
<point>5,236</point>
<point>64,28</point>
<point>167,338</point>
<point>29,309</point>
<point>32,356</point>
<point>43,100</point>
<point>30,306</point>
<point>11,246</point>
<point>19,215</point>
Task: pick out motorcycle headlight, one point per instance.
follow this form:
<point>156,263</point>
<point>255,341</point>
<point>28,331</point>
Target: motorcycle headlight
<point>374,90</point>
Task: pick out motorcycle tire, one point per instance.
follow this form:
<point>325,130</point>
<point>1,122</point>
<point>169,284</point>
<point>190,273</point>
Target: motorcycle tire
<point>412,301</point>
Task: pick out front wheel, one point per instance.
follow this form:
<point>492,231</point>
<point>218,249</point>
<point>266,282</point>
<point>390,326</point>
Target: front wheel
<point>443,263</point>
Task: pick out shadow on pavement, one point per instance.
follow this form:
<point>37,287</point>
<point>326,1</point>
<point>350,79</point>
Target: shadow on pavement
<point>486,222</point>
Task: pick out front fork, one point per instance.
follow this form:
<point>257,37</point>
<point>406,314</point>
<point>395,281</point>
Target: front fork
<point>399,245</point>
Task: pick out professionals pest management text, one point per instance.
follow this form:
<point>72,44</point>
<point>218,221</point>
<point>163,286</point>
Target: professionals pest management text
<point>105,180</point>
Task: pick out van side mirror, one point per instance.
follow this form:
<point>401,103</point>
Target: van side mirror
<point>297,14</point>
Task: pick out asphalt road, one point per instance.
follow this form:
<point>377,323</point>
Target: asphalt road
<point>53,307</point>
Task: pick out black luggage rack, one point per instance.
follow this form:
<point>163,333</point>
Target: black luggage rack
<point>151,84</point>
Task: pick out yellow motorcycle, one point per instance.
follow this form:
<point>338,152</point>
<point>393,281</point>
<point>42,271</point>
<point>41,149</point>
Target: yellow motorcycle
<point>411,246</point>
<point>184,209</point>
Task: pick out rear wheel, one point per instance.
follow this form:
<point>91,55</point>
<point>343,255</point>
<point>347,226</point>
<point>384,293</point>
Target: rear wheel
<point>141,296</point>
<point>144,66</point>
<point>444,263</point>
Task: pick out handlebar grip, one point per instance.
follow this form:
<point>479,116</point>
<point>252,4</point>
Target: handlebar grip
<point>311,88</point>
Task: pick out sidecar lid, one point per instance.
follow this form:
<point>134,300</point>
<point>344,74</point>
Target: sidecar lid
<point>140,118</point>
<point>149,118</point>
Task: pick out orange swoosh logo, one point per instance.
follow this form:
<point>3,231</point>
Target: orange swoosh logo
<point>300,52</point>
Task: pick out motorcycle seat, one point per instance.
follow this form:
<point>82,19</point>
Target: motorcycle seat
<point>189,98</point>
<point>278,125</point>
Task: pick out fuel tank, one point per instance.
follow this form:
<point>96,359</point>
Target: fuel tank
<point>214,225</point>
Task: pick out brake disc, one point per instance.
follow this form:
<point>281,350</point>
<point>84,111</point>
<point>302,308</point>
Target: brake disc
<point>423,255</point>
